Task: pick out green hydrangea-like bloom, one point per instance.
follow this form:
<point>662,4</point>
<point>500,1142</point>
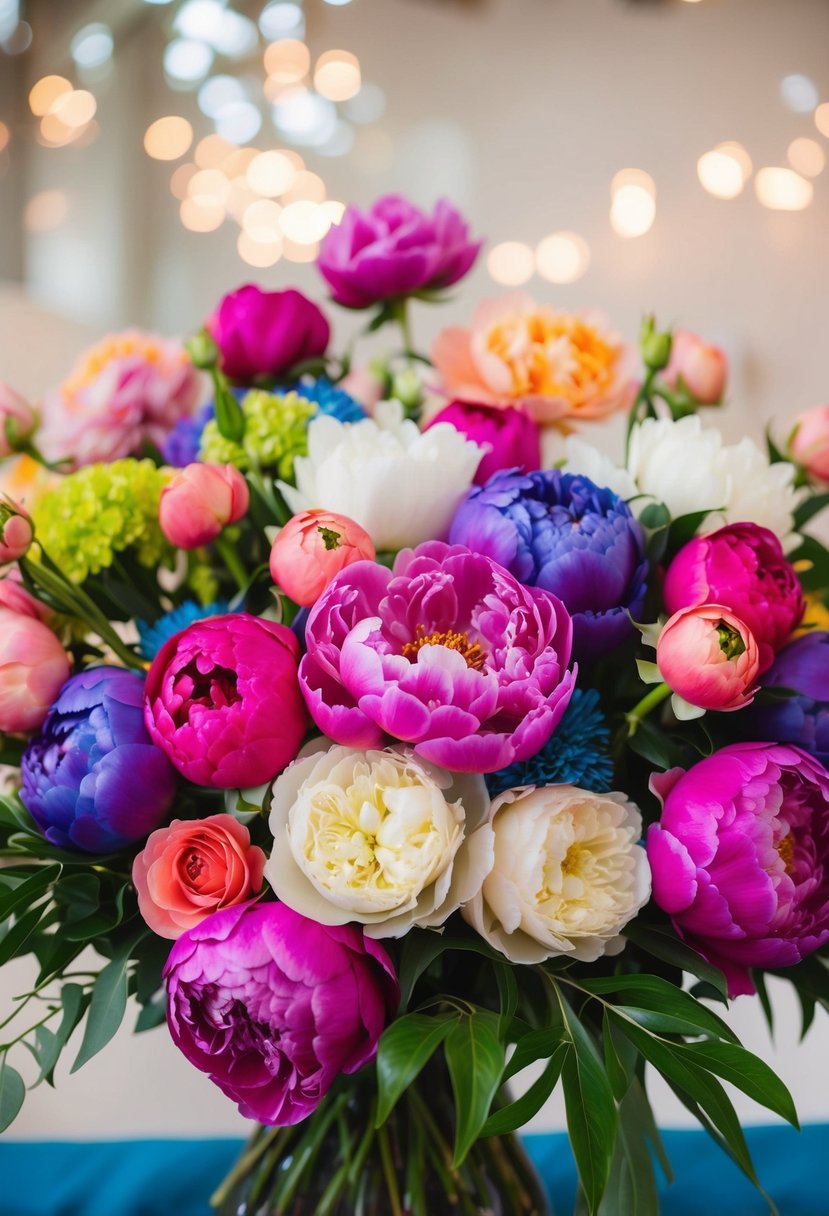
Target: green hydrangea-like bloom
<point>96,513</point>
<point>276,432</point>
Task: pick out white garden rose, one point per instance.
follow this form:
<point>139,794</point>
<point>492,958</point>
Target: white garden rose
<point>378,837</point>
<point>401,484</point>
<point>569,874</point>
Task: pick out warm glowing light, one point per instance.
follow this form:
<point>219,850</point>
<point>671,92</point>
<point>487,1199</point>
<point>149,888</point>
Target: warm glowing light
<point>181,180</point>
<point>337,75</point>
<point>258,253</point>
<point>208,187</point>
<point>187,61</point>
<point>306,186</point>
<point>45,210</point>
<point>783,189</point>
<point>633,207</point>
<point>562,257</point>
<point>168,138</point>
<point>261,221</point>
<point>5,136</point>
<point>822,118</point>
<point>304,222</point>
<point>334,211</point>
<point>92,46</point>
<point>798,93</point>
<point>201,217</point>
<point>806,156</point>
<point>270,174</point>
<point>633,177</point>
<point>720,174</point>
<point>56,134</point>
<point>300,253</point>
<point>287,61</point>
<point>306,118</point>
<point>46,92</point>
<point>75,109</point>
<point>511,263</point>
<point>239,197</point>
<point>212,151</point>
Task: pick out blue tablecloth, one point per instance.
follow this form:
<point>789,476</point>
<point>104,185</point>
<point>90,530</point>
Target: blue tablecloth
<point>176,1177</point>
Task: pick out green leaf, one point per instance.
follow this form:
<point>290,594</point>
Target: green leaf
<point>659,749</point>
<point>808,509</point>
<point>34,888</point>
<point>510,1118</point>
<point>107,1007</point>
<point>102,921</point>
<point>55,954</point>
<point>508,995</point>
<point>631,1190</point>
<point>151,1015</point>
<point>17,941</point>
<point>74,1002</point>
<point>14,815</point>
<point>666,946</point>
<point>654,515</point>
<point>747,1072</point>
<point>80,894</point>
<point>475,1057</point>
<point>591,1111</point>
<point>684,527</point>
<point>537,1045</point>
<point>616,1073</point>
<point>12,1094</point>
<point>775,455</point>
<point>816,576</point>
<point>651,993</point>
<point>420,949</point>
<point>405,1048</point>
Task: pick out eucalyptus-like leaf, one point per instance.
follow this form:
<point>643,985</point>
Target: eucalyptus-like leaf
<point>513,1116</point>
<point>591,1111</point>
<point>666,946</point>
<point>405,1048</point>
<point>12,1093</point>
<point>475,1058</point>
<point>107,1007</point>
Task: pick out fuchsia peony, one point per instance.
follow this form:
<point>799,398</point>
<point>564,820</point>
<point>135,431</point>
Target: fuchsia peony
<point>17,420</point>
<point>313,547</point>
<point>447,652</point>
<point>223,703</point>
<point>200,501</point>
<point>739,857</point>
<point>511,436</point>
<point>809,444</point>
<point>744,567</point>
<point>709,658</point>
<point>266,333</point>
<point>33,669</point>
<point>273,1007</point>
<point>702,369</point>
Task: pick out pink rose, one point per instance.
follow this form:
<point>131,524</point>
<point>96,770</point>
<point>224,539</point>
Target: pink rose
<point>16,532</point>
<point>810,442</point>
<point>33,669</point>
<point>702,369</point>
<point>313,547</point>
<point>17,420</point>
<point>199,502</point>
<point>709,657</point>
<point>266,333</point>
<point>193,868</point>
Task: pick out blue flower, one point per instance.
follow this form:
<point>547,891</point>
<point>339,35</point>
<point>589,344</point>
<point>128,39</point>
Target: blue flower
<point>154,636</point>
<point>181,447</point>
<point>329,399</point>
<point>576,755</point>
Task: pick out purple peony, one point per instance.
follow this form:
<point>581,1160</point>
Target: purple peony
<point>512,437</point>
<point>739,857</point>
<point>395,250</point>
<point>560,532</point>
<point>447,652</point>
<point>265,333</point>
<point>803,666</point>
<point>222,700</point>
<point>92,778</point>
<point>273,1007</point>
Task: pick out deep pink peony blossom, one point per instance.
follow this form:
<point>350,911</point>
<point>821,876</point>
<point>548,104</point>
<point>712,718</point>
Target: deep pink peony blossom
<point>743,567</point>
<point>273,1006</point>
<point>447,652</point>
<point>395,249</point>
<point>739,857</point>
<point>223,703</point>
<point>511,435</point>
<point>264,333</point>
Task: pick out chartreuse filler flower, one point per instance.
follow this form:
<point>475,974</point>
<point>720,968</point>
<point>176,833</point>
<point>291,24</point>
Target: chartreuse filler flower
<point>334,747</point>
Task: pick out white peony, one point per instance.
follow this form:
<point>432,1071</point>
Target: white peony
<point>401,484</point>
<point>378,837</point>
<point>584,459</point>
<point>569,874</point>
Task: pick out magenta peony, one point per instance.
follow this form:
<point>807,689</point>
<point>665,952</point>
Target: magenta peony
<point>739,857</point>
<point>512,438</point>
<point>273,1007</point>
<point>313,547</point>
<point>200,501</point>
<point>223,703</point>
<point>709,658</point>
<point>447,652</point>
<point>266,333</point>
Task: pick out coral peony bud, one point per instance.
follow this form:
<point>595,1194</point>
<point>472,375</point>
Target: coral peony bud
<point>709,657</point>
<point>702,369</point>
<point>809,444</point>
<point>312,548</point>
<point>199,502</point>
<point>16,532</point>
<point>33,669</point>
<point>17,420</point>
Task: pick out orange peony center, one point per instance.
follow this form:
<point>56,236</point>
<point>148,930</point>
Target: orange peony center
<point>116,346</point>
<point>553,354</point>
<point>471,651</point>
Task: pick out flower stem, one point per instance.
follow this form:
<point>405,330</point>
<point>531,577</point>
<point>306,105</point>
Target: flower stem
<point>231,559</point>
<point>388,1170</point>
<point>650,701</point>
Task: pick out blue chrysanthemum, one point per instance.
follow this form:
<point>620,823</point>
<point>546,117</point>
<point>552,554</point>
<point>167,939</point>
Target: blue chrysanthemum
<point>181,447</point>
<point>330,399</point>
<point>576,755</point>
<point>153,637</point>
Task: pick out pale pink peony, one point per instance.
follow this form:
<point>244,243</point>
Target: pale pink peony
<point>810,442</point>
<point>33,669</point>
<point>199,502</point>
<point>701,368</point>
<point>709,657</point>
<point>313,547</point>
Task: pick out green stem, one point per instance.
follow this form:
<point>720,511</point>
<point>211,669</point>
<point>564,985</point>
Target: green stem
<point>655,697</point>
<point>388,1171</point>
<point>5,1046</point>
<point>231,559</point>
<point>259,1147</point>
<point>643,397</point>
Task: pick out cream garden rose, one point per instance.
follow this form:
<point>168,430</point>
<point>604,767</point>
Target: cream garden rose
<point>569,874</point>
<point>378,837</point>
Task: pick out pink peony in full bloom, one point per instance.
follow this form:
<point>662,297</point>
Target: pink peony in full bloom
<point>274,1007</point>
<point>313,547</point>
<point>739,857</point>
<point>744,567</point>
<point>701,368</point>
<point>810,442</point>
<point>200,501</point>
<point>33,669</point>
<point>447,652</point>
<point>265,333</point>
<point>511,436</point>
<point>17,420</point>
<point>709,657</point>
<point>560,367</point>
<point>192,868</point>
<point>223,702</point>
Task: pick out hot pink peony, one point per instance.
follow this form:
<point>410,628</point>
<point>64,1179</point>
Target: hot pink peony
<point>33,669</point>
<point>447,652</point>
<point>701,368</point>
<point>223,702</point>
<point>192,868</point>
<point>739,857</point>
<point>313,547</point>
<point>200,501</point>
<point>265,333</point>
<point>17,420</point>
<point>810,442</point>
<point>744,567</point>
<point>274,1007</point>
<point>709,658</point>
<point>511,436</point>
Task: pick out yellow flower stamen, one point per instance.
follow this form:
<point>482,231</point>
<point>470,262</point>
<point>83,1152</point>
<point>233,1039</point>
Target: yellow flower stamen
<point>471,651</point>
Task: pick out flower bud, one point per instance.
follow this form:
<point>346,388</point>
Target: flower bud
<point>655,346</point>
<point>203,351</point>
<point>407,387</point>
<point>16,532</point>
<point>17,421</point>
<point>809,444</point>
<point>199,502</point>
<point>312,548</point>
<point>33,669</point>
<point>709,657</point>
<point>701,369</point>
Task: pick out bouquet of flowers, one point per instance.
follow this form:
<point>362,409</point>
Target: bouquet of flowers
<point>383,757</point>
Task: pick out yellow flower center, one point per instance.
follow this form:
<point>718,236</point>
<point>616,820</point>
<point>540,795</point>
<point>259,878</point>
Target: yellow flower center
<point>785,849</point>
<point>553,355</point>
<point>116,346</point>
<point>471,651</point>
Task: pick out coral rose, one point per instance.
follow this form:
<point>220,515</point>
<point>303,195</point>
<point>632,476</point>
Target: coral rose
<point>709,657</point>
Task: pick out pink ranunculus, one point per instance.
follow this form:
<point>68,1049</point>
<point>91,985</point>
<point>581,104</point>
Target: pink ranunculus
<point>274,1007</point>
<point>393,250</point>
<point>709,657</point>
<point>739,857</point>
<point>701,368</point>
<point>223,702</point>
<point>511,436</point>
<point>313,547</point>
<point>744,567</point>
<point>16,532</point>
<point>192,868</point>
<point>266,333</point>
<point>128,391</point>
<point>810,442</point>
<point>200,501</point>
<point>17,420</point>
<point>447,652</point>
<point>33,669</point>
<point>560,367</point>
<point>15,597</point>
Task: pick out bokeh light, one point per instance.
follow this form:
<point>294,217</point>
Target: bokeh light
<point>337,75</point>
<point>282,20</point>
<point>46,210</point>
<point>213,151</point>
<point>45,93</point>
<point>720,173</point>
<point>306,118</point>
<point>180,180</point>
<point>633,202</point>
<point>822,118</point>
<point>239,122</point>
<point>258,253</point>
<point>75,109</point>
<point>261,220</point>
<point>798,93</point>
<point>187,61</point>
<point>92,45</point>
<point>304,222</point>
<point>168,138</point>
<point>271,174</point>
<point>287,61</point>
<point>306,186</point>
<point>201,216</point>
<point>783,189</point>
<point>208,187</point>
<point>218,92</point>
<point>562,257</point>
<point>5,136</point>
<point>806,157</point>
<point>511,263</point>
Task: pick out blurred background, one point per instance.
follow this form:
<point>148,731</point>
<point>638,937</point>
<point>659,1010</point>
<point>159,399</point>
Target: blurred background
<point>638,155</point>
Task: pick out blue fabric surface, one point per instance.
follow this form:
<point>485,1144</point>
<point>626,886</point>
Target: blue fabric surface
<point>176,1177</point>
